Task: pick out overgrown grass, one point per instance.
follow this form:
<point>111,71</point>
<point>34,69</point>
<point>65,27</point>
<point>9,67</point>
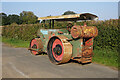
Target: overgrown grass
<point>15,42</point>
<point>107,57</point>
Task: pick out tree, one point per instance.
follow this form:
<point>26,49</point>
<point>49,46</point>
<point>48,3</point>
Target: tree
<point>3,19</point>
<point>13,19</point>
<point>69,12</point>
<point>28,17</point>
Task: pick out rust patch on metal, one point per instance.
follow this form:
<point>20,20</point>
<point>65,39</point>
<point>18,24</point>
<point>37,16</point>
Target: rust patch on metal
<point>76,31</point>
<point>53,34</point>
<point>84,31</point>
<point>60,32</point>
<point>40,43</point>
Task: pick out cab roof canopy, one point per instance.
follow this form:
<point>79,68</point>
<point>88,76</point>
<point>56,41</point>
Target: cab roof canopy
<point>72,17</point>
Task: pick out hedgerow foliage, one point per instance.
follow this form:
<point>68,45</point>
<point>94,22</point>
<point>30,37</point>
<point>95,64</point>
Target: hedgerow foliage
<point>108,35</point>
<point>23,32</point>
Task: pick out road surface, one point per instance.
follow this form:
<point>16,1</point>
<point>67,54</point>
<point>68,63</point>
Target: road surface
<point>19,63</point>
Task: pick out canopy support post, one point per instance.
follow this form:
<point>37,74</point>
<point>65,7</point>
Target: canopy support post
<point>53,23</point>
<point>50,24</point>
<point>44,23</point>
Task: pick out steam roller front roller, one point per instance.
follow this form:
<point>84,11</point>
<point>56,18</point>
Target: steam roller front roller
<point>35,46</point>
<point>59,50</point>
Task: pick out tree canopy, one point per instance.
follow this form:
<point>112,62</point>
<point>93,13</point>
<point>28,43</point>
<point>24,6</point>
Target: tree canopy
<point>13,19</point>
<point>3,17</point>
<point>28,17</point>
<point>69,12</point>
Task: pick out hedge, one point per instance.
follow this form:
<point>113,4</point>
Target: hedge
<point>108,36</point>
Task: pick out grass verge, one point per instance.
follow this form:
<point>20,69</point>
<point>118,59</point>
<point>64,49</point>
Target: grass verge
<point>106,56</point>
<point>16,43</point>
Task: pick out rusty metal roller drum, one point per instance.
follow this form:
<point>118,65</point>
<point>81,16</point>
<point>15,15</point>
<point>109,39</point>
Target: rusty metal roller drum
<point>59,50</point>
<point>84,31</point>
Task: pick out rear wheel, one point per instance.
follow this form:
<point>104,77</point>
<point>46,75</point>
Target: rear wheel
<point>58,51</point>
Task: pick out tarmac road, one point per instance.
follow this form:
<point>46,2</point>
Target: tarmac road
<point>19,63</point>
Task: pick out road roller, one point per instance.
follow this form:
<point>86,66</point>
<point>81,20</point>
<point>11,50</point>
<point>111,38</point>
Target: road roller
<point>75,42</point>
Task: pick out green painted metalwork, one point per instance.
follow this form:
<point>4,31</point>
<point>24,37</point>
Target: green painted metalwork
<point>76,43</point>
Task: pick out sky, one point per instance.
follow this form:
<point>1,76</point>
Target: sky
<point>119,8</point>
<point>104,10</point>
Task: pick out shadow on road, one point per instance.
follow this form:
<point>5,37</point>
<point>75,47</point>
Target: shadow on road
<point>71,61</point>
<point>43,53</point>
<point>74,61</point>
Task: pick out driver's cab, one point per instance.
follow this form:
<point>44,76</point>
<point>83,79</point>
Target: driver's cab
<point>71,17</point>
